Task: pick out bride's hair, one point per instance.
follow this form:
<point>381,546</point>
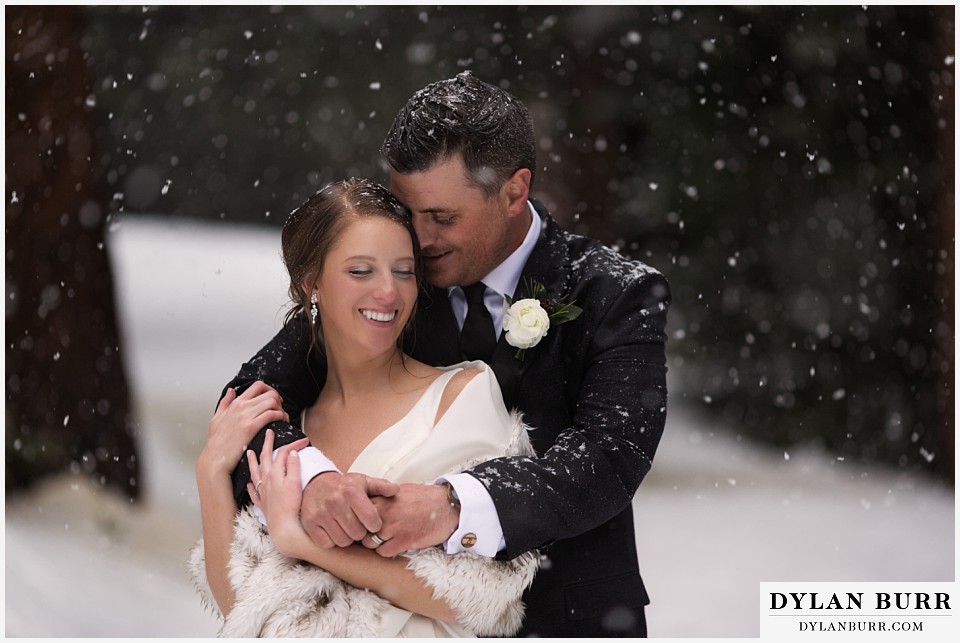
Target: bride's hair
<point>312,229</point>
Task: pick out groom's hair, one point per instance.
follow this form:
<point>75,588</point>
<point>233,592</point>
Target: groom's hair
<point>490,128</point>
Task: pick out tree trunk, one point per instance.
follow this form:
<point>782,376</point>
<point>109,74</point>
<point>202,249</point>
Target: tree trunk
<point>944,335</point>
<point>68,406</point>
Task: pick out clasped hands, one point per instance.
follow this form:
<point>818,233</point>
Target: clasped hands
<point>339,509</point>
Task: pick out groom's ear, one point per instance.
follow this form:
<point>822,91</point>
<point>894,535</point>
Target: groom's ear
<point>516,190</point>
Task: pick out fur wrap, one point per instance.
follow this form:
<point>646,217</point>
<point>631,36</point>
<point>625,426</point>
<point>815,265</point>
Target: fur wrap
<point>278,596</point>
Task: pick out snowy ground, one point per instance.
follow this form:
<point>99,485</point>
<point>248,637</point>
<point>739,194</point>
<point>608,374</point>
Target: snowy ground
<point>715,517</point>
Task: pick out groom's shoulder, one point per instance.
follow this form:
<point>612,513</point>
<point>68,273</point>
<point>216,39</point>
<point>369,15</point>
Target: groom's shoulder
<point>606,266</point>
<point>601,277</point>
<point>592,265</point>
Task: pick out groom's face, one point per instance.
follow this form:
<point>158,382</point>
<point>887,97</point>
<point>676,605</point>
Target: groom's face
<point>463,234</point>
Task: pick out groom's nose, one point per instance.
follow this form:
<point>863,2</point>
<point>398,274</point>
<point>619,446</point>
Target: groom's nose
<point>426,230</point>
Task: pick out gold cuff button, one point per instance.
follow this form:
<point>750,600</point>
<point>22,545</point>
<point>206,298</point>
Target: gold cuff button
<point>468,540</point>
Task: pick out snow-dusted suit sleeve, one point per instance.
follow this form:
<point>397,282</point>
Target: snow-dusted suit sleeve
<point>612,405</point>
<point>287,364</point>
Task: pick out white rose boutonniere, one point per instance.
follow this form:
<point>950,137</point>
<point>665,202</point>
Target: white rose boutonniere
<point>526,321</point>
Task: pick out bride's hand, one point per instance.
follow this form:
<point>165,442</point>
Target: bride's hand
<point>276,490</point>
<point>235,423</point>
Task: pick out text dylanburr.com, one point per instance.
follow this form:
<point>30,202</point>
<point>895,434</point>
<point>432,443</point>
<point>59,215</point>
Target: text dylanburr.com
<point>859,611</point>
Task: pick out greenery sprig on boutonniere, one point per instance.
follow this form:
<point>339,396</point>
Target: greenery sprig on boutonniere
<point>526,321</point>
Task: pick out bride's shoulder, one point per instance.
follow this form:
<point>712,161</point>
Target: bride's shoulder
<point>454,387</point>
<point>461,379</point>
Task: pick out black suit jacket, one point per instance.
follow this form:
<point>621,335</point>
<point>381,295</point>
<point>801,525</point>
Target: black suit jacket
<point>594,389</point>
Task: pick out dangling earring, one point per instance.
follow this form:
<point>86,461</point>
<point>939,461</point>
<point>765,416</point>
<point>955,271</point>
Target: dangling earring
<point>313,308</point>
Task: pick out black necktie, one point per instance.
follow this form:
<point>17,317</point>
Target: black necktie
<point>477,338</point>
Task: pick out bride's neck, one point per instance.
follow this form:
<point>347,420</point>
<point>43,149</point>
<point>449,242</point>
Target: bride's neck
<point>359,378</point>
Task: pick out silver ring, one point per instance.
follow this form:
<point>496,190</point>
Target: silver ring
<point>256,488</point>
<point>377,539</point>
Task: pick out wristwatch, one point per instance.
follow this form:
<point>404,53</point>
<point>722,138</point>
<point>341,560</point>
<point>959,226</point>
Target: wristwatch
<point>468,540</point>
<point>452,496</point>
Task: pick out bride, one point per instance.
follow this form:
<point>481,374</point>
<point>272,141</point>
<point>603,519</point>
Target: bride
<point>352,257</point>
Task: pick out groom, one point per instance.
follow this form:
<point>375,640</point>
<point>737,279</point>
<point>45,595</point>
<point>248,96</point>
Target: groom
<point>462,158</point>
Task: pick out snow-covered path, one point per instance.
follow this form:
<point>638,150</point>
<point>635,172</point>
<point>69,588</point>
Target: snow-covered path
<point>715,517</point>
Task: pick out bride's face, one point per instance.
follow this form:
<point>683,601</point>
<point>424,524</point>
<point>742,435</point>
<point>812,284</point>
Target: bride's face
<point>368,288</point>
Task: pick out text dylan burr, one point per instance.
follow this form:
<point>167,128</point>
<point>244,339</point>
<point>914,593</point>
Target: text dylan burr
<point>855,601</point>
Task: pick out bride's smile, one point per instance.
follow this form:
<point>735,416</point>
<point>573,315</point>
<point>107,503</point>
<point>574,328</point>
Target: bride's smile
<point>379,317</point>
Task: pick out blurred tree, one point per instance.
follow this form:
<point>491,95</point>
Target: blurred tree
<point>67,399</point>
<point>943,351</point>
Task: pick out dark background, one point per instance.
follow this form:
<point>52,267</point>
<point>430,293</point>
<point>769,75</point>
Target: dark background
<point>790,169</point>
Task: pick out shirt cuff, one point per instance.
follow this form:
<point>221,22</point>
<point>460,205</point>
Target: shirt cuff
<point>312,464</point>
<point>479,531</point>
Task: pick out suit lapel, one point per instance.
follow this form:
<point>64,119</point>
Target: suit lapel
<point>549,262</point>
<point>547,265</point>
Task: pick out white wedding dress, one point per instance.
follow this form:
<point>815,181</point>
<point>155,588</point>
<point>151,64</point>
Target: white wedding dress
<point>279,596</point>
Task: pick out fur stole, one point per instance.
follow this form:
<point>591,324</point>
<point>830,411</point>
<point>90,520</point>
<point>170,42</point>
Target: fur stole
<point>278,596</point>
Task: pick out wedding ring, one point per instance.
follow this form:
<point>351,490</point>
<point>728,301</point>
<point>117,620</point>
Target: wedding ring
<point>377,539</point>
<point>256,488</point>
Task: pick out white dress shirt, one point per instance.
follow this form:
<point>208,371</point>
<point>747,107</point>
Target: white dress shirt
<point>478,515</point>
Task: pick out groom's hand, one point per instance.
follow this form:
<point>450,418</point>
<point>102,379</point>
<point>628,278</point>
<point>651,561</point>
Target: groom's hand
<point>337,509</point>
<point>416,517</point>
